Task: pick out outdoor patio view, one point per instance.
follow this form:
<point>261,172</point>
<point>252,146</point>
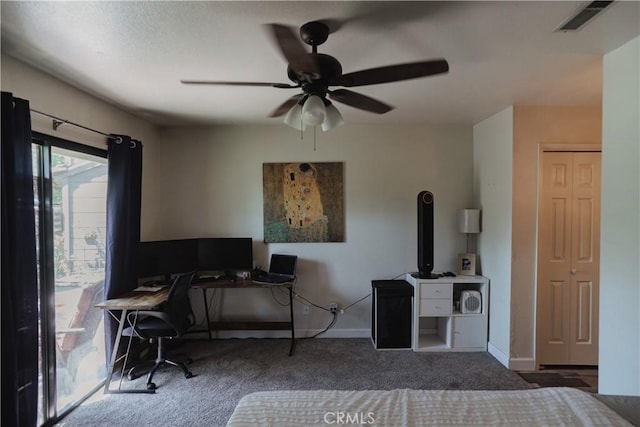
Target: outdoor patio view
<point>78,199</point>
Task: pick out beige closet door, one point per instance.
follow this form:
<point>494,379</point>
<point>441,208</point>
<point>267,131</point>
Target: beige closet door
<point>568,259</point>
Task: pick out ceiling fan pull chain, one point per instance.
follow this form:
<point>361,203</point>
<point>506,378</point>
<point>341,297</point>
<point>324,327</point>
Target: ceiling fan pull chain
<point>314,138</point>
<point>301,129</point>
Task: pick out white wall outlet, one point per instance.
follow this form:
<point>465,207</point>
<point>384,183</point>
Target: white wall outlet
<point>305,309</point>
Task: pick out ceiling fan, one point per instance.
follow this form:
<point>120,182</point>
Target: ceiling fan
<point>315,73</point>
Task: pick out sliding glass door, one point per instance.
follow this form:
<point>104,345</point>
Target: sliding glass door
<point>70,183</point>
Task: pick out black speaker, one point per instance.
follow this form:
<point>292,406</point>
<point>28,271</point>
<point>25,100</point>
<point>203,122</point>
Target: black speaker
<point>425,235</point>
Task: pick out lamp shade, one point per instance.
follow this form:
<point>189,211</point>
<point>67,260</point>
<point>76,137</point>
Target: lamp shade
<point>313,111</point>
<point>294,118</point>
<point>333,119</point>
<point>469,221</point>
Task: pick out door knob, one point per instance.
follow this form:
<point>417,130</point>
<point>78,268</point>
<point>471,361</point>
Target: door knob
<point>573,271</point>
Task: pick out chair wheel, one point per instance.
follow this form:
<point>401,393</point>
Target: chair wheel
<point>131,376</point>
<point>188,375</point>
<point>151,386</point>
<point>188,361</point>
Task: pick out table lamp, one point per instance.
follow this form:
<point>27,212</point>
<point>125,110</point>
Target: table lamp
<point>468,223</point>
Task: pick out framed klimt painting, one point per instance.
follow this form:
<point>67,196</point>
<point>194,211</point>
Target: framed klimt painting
<point>303,202</point>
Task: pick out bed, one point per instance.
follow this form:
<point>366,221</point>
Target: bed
<point>534,407</point>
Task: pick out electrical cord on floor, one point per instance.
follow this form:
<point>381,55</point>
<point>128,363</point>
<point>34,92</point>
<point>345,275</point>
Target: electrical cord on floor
<point>329,326</point>
<point>342,310</point>
<point>334,313</point>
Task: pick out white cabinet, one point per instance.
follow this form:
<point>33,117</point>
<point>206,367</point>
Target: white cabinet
<point>439,324</point>
<point>468,332</point>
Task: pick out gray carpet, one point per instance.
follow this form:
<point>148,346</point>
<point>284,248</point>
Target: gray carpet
<point>226,370</point>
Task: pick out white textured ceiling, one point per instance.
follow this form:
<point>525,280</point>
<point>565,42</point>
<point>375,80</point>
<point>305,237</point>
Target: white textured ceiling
<point>134,54</point>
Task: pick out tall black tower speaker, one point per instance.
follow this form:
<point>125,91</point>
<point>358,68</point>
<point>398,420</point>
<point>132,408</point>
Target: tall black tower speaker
<point>425,235</point>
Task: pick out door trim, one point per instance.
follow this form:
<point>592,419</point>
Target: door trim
<point>542,148</point>
<point>46,279</point>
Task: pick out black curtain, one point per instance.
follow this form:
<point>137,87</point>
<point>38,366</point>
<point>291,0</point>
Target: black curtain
<point>19,270</point>
<point>124,190</point>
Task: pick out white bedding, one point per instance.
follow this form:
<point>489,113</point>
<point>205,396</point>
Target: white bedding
<point>394,408</point>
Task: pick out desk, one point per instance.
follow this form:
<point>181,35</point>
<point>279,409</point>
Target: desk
<point>131,301</point>
<point>246,284</point>
<point>135,301</point>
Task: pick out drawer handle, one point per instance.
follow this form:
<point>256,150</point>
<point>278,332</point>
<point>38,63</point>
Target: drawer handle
<point>436,306</point>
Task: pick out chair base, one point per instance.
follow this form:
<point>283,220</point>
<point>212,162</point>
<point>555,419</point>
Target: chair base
<point>151,385</point>
<point>161,360</point>
<point>145,366</point>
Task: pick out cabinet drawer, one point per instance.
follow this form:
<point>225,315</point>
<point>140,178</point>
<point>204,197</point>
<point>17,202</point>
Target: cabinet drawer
<point>435,290</point>
<point>435,307</point>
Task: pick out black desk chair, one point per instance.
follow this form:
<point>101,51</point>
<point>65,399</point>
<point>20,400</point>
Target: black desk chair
<point>171,321</point>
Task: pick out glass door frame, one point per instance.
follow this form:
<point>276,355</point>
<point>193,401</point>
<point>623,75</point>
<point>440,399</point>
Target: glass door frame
<point>46,273</point>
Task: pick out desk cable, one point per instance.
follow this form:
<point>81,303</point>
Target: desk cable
<point>334,313</point>
<point>212,308</point>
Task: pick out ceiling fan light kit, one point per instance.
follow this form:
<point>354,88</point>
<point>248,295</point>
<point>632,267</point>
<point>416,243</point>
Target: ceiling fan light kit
<point>294,118</point>
<point>315,72</point>
<point>313,111</point>
<point>333,119</point>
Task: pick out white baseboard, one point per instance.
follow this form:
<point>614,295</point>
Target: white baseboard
<point>522,364</point>
<point>300,333</point>
<point>336,333</point>
<point>515,363</point>
<point>498,354</point>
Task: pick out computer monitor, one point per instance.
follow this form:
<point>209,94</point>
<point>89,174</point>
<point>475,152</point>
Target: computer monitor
<point>225,254</point>
<point>166,257</point>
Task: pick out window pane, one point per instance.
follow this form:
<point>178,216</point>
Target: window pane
<point>79,229</point>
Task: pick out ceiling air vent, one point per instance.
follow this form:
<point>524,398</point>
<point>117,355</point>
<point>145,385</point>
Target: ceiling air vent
<point>583,16</point>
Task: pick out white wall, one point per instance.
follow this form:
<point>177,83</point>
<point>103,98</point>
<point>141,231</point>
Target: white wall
<point>208,182</point>
<point>492,165</point>
<point>54,97</point>
<point>212,186</point>
<point>619,369</point>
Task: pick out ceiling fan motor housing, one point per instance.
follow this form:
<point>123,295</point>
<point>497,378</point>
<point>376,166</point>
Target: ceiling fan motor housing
<point>329,67</point>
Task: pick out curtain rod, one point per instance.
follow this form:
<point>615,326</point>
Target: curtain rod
<point>57,121</point>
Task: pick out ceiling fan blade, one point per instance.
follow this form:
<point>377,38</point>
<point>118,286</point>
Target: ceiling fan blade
<point>293,50</point>
<point>360,101</point>
<point>392,73</point>
<point>212,82</point>
<point>286,105</point>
